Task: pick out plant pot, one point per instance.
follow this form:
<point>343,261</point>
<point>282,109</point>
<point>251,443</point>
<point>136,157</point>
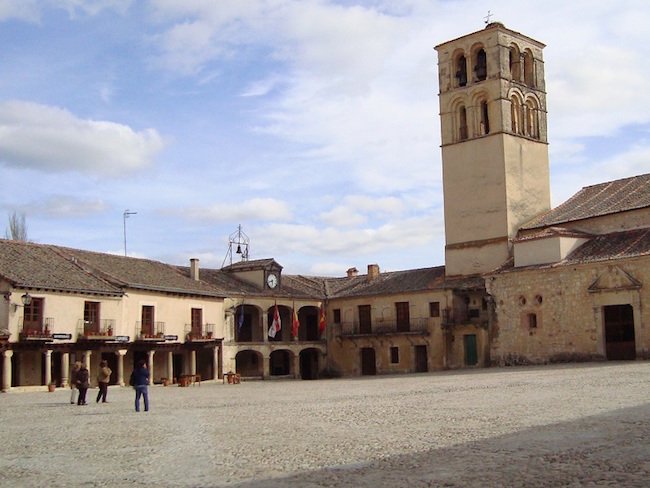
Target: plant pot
<point>51,387</point>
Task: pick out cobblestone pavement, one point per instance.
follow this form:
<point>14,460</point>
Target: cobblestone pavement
<point>567,425</point>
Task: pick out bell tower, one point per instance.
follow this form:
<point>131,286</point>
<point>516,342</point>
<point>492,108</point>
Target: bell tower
<point>494,144</point>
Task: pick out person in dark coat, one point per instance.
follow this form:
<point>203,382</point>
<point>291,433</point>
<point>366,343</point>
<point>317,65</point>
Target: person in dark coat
<point>140,382</point>
<point>83,382</point>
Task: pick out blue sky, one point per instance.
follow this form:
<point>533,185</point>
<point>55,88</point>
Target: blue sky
<point>312,123</point>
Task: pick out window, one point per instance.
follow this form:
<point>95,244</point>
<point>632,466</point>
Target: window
<point>33,315</point>
<point>532,120</point>
<point>402,316</point>
<point>480,70</point>
<point>197,321</point>
<point>365,323</point>
<point>532,321</point>
<point>515,114</point>
<point>147,320</point>
<point>91,317</point>
<point>337,315</point>
<point>434,309</point>
<point>474,313</point>
<point>394,355</point>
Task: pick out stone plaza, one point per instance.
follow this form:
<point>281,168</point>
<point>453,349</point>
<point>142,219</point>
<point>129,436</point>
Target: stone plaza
<point>561,425</point>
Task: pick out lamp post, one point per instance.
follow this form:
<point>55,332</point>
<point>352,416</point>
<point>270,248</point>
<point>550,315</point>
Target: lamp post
<point>125,216</point>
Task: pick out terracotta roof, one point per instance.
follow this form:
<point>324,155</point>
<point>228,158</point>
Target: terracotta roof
<point>617,245</point>
<point>253,264</point>
<point>29,265</point>
<point>411,280</point>
<point>144,274</point>
<point>597,200</point>
<point>552,232</point>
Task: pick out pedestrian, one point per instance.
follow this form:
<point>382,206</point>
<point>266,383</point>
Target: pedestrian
<point>73,381</point>
<point>103,378</point>
<point>83,381</point>
<point>140,382</point>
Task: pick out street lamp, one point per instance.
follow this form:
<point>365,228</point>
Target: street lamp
<point>125,216</point>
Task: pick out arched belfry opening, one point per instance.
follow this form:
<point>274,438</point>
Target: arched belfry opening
<point>480,69</point>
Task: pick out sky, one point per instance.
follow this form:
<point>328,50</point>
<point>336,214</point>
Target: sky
<point>313,124</point>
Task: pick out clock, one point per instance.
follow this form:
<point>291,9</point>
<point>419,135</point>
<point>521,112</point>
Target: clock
<point>272,280</point>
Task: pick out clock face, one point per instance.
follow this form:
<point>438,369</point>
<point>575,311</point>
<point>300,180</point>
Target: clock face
<point>272,280</point>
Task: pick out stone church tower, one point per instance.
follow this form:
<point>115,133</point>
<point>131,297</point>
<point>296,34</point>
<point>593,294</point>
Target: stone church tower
<point>494,144</point>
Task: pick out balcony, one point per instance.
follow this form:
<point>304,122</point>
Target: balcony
<point>36,331</point>
<point>150,332</point>
<point>472,316</point>
<point>418,326</point>
<point>199,332</point>
<point>97,330</point>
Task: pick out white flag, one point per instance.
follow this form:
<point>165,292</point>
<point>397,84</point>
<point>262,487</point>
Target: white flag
<point>277,324</point>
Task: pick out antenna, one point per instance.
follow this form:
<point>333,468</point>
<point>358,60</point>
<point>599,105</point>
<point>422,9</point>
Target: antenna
<point>125,216</point>
<point>240,241</point>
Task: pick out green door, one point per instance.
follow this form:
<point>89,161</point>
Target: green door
<point>471,354</point>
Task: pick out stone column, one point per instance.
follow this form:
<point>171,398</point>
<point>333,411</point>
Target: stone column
<point>86,361</point>
<point>150,365</point>
<point>215,363</point>
<point>48,366</point>
<point>265,326</point>
<point>266,372</point>
<point>65,369</point>
<point>120,353</point>
<point>296,366</point>
<point>192,362</point>
<point>6,370</point>
<point>170,366</point>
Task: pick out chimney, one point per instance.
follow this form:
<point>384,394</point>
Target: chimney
<point>373,271</point>
<point>194,269</point>
<point>352,272</point>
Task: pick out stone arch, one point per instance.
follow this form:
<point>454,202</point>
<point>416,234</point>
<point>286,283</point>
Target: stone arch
<point>308,317</point>
<point>309,363</point>
<point>529,68</point>
<point>248,324</point>
<point>479,62</point>
<point>460,68</point>
<point>284,335</point>
<point>514,62</point>
<point>516,112</point>
<point>482,113</point>
<point>531,108</point>
<point>280,362</point>
<point>249,363</point>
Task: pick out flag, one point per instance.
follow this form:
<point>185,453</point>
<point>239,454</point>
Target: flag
<point>277,324</point>
<point>240,318</point>
<point>322,323</point>
<point>295,324</point>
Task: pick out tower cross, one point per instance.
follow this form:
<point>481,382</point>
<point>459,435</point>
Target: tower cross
<point>487,17</point>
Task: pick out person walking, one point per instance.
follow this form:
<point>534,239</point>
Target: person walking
<point>103,378</point>
<point>140,382</point>
<point>83,381</point>
<point>73,382</point>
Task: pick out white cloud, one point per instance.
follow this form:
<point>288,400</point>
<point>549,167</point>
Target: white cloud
<point>32,10</point>
<point>65,207</point>
<point>52,139</point>
<point>249,210</point>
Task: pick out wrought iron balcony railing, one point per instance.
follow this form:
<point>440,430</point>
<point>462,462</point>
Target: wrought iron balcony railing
<point>149,331</point>
<point>386,327</point>
<point>36,331</point>
<point>96,329</point>
<point>199,332</point>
